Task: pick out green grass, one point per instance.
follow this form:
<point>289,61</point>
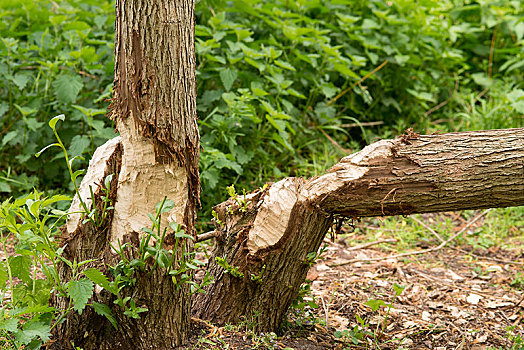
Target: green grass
<point>501,227</point>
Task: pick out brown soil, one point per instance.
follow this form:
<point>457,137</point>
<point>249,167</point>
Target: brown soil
<point>454,298</point>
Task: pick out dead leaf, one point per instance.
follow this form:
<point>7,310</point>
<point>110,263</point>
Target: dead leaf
<point>473,299</point>
<point>426,316</point>
<point>494,304</point>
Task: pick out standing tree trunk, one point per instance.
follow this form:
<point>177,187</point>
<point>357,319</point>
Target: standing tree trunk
<point>156,155</point>
<point>265,242</point>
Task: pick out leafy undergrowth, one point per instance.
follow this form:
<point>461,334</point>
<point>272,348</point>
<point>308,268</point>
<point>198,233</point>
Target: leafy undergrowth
<point>467,295</point>
<point>284,87</point>
<point>362,295</point>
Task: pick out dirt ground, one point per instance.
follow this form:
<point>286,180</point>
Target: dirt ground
<point>453,298</point>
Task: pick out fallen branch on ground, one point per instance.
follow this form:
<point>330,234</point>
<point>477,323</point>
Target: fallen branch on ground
<point>367,245</point>
<point>205,236</point>
<point>419,251</point>
<point>428,228</point>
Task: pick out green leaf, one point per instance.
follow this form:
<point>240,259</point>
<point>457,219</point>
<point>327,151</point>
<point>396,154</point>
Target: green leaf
<point>21,267</point>
<point>398,289</point>
<point>4,276</point>
<point>4,107</point>
<point>34,207</point>
<point>107,181</point>
<point>10,324</point>
<point>482,79</point>
<point>9,136</point>
<point>283,142</point>
<point>209,176</point>
<point>67,87</point>
<point>26,111</point>
<point>98,277</point>
<point>80,291</point>
<point>360,320</point>
<point>228,77</point>
<point>167,207</point>
<point>33,329</point>
<point>53,121</point>
<point>21,80</point>
<point>71,161</point>
<point>342,68</point>
<point>19,292</point>
<point>33,124</point>
<point>35,309</point>
<point>45,148</point>
<point>426,96</point>
<point>375,304</point>
<point>4,187</point>
<point>154,221</point>
<point>182,234</point>
<point>104,310</point>
<point>210,96</point>
<point>176,227</point>
<point>312,304</point>
<point>370,24</point>
<point>55,198</point>
<point>285,65</point>
<point>78,145</point>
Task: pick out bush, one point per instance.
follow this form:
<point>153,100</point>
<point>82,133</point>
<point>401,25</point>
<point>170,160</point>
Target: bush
<point>285,87</point>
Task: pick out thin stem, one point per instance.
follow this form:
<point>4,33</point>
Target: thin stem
<point>62,316</point>
<point>9,273</point>
<point>77,191</point>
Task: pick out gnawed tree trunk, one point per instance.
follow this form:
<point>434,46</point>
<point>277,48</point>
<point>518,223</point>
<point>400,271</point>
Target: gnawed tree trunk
<point>264,242</point>
<point>156,155</point>
<point>266,239</point>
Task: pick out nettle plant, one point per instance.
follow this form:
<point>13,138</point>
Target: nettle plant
<point>55,57</point>
<point>29,273</point>
<point>275,77</point>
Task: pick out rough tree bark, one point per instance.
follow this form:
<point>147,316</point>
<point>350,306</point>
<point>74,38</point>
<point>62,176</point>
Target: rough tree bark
<point>266,245</point>
<point>156,155</point>
<point>265,241</point>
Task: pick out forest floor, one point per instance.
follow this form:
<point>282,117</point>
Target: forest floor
<point>453,298</point>
<point>373,293</point>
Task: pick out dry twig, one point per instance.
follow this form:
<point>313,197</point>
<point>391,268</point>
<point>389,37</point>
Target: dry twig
<point>419,251</point>
<point>358,82</point>
<point>428,228</point>
<point>354,125</point>
<point>205,236</point>
<point>335,143</point>
<point>363,246</point>
<point>476,256</point>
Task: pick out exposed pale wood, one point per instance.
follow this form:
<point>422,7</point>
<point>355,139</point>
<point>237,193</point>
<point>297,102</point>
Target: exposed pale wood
<point>272,267</point>
<point>155,112</point>
<point>205,236</point>
<point>410,174</point>
<point>92,179</point>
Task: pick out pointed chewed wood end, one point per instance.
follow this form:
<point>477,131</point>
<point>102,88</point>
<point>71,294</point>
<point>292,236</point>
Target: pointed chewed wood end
<point>100,166</point>
<point>263,241</point>
<point>268,218</point>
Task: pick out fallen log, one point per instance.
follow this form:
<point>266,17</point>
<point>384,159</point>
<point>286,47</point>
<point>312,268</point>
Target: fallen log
<point>261,256</point>
<point>266,242</point>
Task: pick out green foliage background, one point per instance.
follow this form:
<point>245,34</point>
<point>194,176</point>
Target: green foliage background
<point>269,74</point>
